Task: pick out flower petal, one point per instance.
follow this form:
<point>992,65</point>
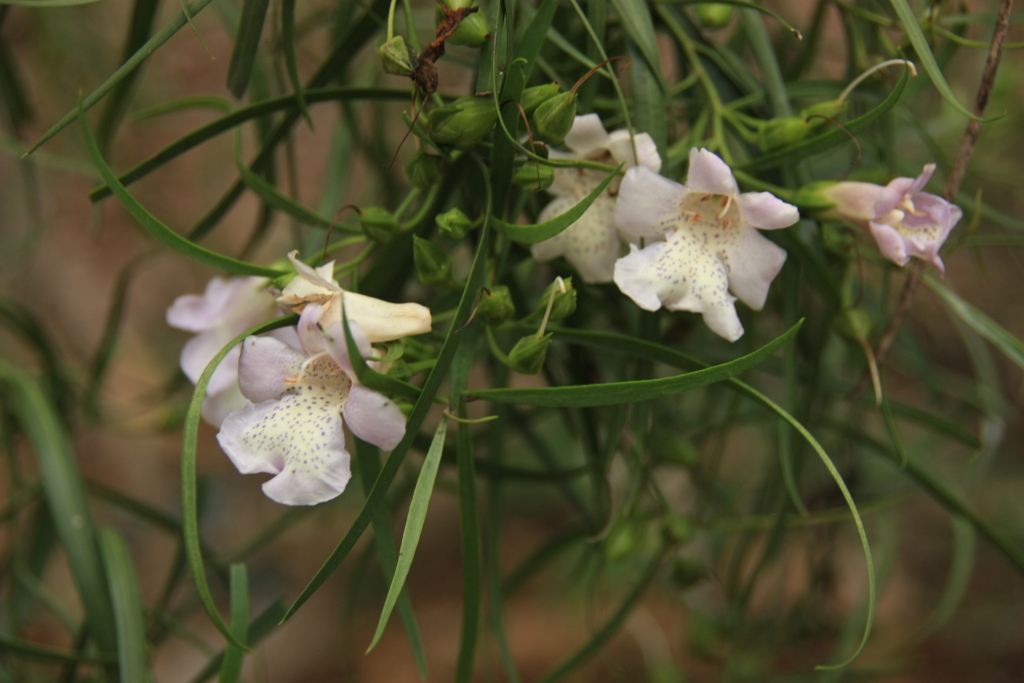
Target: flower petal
<point>852,201</point>
<point>216,407</point>
<point>752,262</point>
<point>373,417</point>
<point>265,366</point>
<point>310,285</point>
<point>201,312</point>
<point>197,353</point>
<point>649,204</point>
<point>766,211</point>
<point>890,243</point>
<point>591,244</point>
<point>621,147</point>
<point>298,437</point>
<point>708,173</point>
<point>587,136</point>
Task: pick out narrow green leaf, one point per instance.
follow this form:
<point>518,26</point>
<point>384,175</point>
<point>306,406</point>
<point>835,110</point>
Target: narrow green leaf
<point>1007,344</point>
<point>538,232</point>
<point>535,34</point>
<point>231,666</point>
<point>65,497</point>
<point>503,152</point>
<point>13,93</point>
<point>288,44</point>
<point>157,229</point>
<point>924,52</point>
<point>151,46</point>
<point>127,602</point>
<point>259,628</point>
<point>234,119</point>
<point>189,496</point>
<point>615,393</point>
<point>649,101</point>
<point>247,40</point>
<point>47,3</point>
<point>413,527</point>
<point>276,199</point>
<point>369,377</point>
<point>42,653</point>
<point>469,524</point>
<point>636,19</point>
<point>826,141</point>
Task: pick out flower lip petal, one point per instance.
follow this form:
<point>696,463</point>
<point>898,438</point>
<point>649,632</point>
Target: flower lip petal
<point>587,136</point>
<point>708,173</point>
<point>373,417</point>
<point>766,211</point>
<point>648,204</point>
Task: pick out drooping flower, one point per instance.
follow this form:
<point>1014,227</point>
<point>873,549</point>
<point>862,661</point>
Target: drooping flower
<point>904,221</point>
<point>298,403</point>
<point>226,309</point>
<point>591,244</point>
<point>380,320</point>
<point>711,253</point>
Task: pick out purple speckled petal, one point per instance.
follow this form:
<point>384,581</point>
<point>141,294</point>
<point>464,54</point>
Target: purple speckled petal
<point>649,204</point>
<point>708,173</point>
<point>633,275</point>
<point>265,366</point>
<point>766,211</point>
<point>373,417</point>
<point>587,136</point>
<point>591,244</point>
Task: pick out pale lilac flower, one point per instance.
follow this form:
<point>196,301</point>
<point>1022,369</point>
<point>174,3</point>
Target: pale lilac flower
<point>591,244</point>
<point>904,221</point>
<point>299,400</point>
<point>380,320</point>
<point>708,252</point>
<point>224,311</point>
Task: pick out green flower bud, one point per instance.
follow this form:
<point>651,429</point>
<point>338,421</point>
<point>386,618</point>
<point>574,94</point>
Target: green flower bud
<point>424,170</point>
<point>810,198</point>
<point>554,117</point>
<point>433,266</point>
<point>678,529</point>
<point>496,307</point>
<point>564,304</point>
<point>535,96</point>
<point>714,14</point>
<point>473,31</point>
<point>622,540</point>
<point>378,224</point>
<point>464,122</point>
<point>687,571</point>
<point>534,177</point>
<point>831,109</point>
<point>396,57</point>
<point>781,132</point>
<point>528,355</point>
<point>453,224</point>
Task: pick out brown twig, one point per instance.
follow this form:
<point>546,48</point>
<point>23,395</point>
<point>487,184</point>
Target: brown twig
<point>953,181</point>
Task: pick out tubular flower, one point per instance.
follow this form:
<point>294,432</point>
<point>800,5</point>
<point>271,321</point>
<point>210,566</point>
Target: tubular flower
<point>904,221</point>
<point>226,309</point>
<point>711,253</point>
<point>380,320</point>
<point>591,244</point>
<point>299,400</point>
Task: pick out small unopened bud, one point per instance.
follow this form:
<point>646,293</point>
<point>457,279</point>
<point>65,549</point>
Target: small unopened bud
<point>453,224</point>
<point>528,355</point>
<point>378,224</point>
<point>464,122</point>
<point>622,540</point>
<point>781,132</point>
<point>714,14</point>
<point>564,302</point>
<point>397,58</point>
<point>812,197</point>
<point>424,170</point>
<point>554,118</point>
<point>830,109</point>
<point>534,177</point>
<point>496,305</point>
<point>537,95</point>
<point>473,31</point>
<point>433,266</point>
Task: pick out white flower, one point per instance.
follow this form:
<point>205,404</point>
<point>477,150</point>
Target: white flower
<point>380,321</point>
<point>224,311</point>
<point>711,254</point>
<point>591,244</point>
<point>904,221</point>
<point>299,401</point>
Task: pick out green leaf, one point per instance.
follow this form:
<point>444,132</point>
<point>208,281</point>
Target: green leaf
<point>157,229</point>
<point>535,34</point>
<point>276,199</point>
<point>65,497</point>
<point>41,653</point>
<point>247,40</point>
<point>259,628</point>
<point>503,152</point>
<point>413,527</point>
<point>189,497</point>
<point>151,46</point>
<point>615,393</point>
<point>231,666</point>
<point>288,44</point>
<point>1009,345</point>
<point>469,524</point>
<point>127,603</point>
<point>369,377</point>
<point>649,101</point>
<point>924,53</point>
<point>825,141</point>
<point>538,232</point>
<point>636,19</point>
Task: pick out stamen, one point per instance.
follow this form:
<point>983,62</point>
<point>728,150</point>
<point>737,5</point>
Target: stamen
<point>726,205</point>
